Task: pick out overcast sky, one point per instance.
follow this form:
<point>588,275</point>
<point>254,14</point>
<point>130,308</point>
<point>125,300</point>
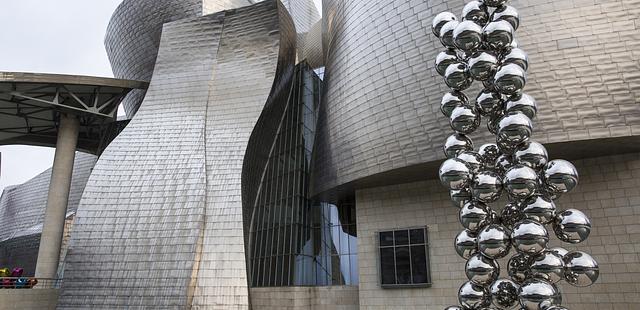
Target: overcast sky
<point>52,36</point>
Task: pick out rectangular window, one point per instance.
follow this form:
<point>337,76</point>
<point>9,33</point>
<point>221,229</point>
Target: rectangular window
<point>404,258</point>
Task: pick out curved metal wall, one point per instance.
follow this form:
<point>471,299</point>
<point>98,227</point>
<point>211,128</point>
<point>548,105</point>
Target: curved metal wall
<point>160,224</point>
<point>382,94</point>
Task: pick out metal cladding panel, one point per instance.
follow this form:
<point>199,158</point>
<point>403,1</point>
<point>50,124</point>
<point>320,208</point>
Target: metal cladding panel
<point>382,93</point>
<point>303,12</point>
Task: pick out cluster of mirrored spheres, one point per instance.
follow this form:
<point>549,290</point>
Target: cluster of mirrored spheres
<point>482,47</point>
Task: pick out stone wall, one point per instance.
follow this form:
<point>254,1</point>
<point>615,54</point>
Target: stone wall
<point>305,298</point>
<point>29,299</point>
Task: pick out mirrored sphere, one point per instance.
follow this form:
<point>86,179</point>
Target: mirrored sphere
<point>453,308</point>
<point>503,163</point>
<point>466,244</point>
<point>455,144</point>
<point>459,197</point>
<point>522,103</point>
<point>446,33</point>
<point>473,296</point>
<point>444,59</point>
<point>520,181</point>
<point>486,186</point>
<point>572,226</point>
<point>514,129</point>
<point>464,119</point>
<point>482,65</point>
<point>451,100</point>
<point>510,215</point>
<point>507,13</point>
<point>580,269</point>
<point>494,241</point>
<point>473,160</point>
<point>498,35</point>
<point>488,102</point>
<point>474,215</point>
<point>539,208</point>
<point>481,270</point>
<point>494,3</point>
<point>457,76</point>
<point>504,294</point>
<point>560,176</point>
<point>494,121</point>
<point>454,174</point>
<point>516,56</point>
<point>536,294</point>
<point>559,251</point>
<point>510,79</point>
<point>440,20</point>
<point>532,154</point>
<point>467,36</point>
<point>475,11</point>
<point>548,266</point>
<point>529,237</point>
<point>489,153</point>
<point>518,267</point>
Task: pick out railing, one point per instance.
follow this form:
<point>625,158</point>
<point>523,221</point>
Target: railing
<point>28,282</point>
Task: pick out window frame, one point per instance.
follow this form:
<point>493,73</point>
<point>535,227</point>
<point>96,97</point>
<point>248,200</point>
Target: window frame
<point>395,264</point>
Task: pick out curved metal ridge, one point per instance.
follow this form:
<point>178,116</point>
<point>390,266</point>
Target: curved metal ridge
<point>49,78</point>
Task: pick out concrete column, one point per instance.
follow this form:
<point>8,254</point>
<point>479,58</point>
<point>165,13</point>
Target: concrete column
<point>51,239</point>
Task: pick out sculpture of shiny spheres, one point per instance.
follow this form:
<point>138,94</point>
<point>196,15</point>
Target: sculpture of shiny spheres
<point>473,296</point>
<point>498,35</point>
<point>486,186</point>
<point>474,215</point>
<point>516,56</point>
<point>520,181</point>
<point>522,103</point>
<point>572,226</point>
<point>453,308</point>
<point>459,197</point>
<point>510,79</point>
<point>510,215</point>
<point>444,59</point>
<point>494,241</point>
<point>488,102</point>
<point>518,267</point>
<point>451,100</point>
<point>457,76</point>
<point>494,3</point>
<point>507,13</point>
<point>560,176</point>
<point>466,244</point>
<point>455,144</point>
<point>454,174</point>
<point>440,20</point>
<point>529,237</point>
<point>532,154</point>
<point>467,36</point>
<point>464,119</point>
<point>481,270</point>
<point>513,129</point>
<point>482,65</point>
<point>559,251</point>
<point>548,266</point>
<point>580,269</point>
<point>536,294</point>
<point>503,163</point>
<point>539,208</point>
<point>446,34</point>
<point>473,160</point>
<point>489,153</point>
<point>476,12</point>
<point>504,294</point>
<point>494,121</point>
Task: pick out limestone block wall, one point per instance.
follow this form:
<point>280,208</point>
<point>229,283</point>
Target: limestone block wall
<point>305,298</point>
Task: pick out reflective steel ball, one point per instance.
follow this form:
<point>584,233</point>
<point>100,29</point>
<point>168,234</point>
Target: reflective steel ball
<point>518,267</point>
<point>539,208</point>
<point>548,266</point>
<point>522,103</point>
<point>466,244</point>
<point>457,76</point>
<point>510,215</point>
<point>529,237</point>
<point>513,129</point>
<point>493,123</point>
<point>473,160</point>
<point>446,34</point>
<point>453,308</point>
<point>473,296</point>
<point>476,12</point>
<point>504,294</point>
<point>489,153</point>
<point>520,181</point>
<point>440,20</point>
<point>464,119</point>
<point>488,102</point>
<point>451,100</point>
<point>444,59</point>
<point>454,174</point>
<point>481,270</point>
<point>580,269</point>
<point>474,215</point>
<point>560,176</point>
<point>455,144</point>
<point>559,251</point>
<point>467,36</point>
<point>486,186</point>
<point>494,241</point>
<point>459,197</point>
<point>503,163</point>
<point>510,79</point>
<point>498,35</point>
<point>494,3</point>
<point>516,56</point>
<point>572,226</point>
<point>482,65</point>
<point>507,13</point>
<point>538,294</point>
<point>532,154</point>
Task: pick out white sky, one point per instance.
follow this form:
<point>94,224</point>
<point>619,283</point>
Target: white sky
<point>50,36</point>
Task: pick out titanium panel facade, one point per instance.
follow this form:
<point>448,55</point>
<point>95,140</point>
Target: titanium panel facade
<point>381,104</point>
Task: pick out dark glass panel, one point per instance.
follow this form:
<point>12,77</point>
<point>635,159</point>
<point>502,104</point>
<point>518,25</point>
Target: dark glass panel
<point>386,238</point>
<point>401,237</point>
<point>419,264</point>
<point>387,266</point>
<point>417,235</point>
<point>403,265</point>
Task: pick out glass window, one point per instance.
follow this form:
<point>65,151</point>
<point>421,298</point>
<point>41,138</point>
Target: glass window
<point>404,258</point>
